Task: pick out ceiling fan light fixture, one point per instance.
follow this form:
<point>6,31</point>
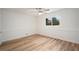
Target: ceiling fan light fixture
<point>43,10</point>
<point>40,13</point>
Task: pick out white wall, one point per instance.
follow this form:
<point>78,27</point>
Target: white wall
<point>16,24</point>
<point>0,25</point>
<point>0,20</point>
<point>67,30</point>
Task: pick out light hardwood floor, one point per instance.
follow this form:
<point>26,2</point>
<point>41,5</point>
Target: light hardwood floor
<point>38,43</point>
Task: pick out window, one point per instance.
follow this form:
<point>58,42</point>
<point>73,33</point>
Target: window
<point>54,21</point>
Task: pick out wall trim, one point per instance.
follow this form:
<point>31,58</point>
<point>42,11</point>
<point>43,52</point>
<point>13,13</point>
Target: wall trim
<point>60,38</point>
<point>53,37</point>
<point>17,38</point>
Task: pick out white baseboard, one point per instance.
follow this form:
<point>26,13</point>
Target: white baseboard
<point>17,37</point>
<point>61,38</point>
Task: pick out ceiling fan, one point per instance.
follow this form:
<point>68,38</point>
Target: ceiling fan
<point>43,10</point>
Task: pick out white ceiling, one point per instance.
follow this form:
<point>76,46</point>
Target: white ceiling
<point>31,11</point>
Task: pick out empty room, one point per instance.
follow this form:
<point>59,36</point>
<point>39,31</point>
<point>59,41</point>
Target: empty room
<point>39,29</point>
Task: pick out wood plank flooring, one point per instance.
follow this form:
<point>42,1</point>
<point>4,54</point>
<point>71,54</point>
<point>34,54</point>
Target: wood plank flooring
<point>38,43</point>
